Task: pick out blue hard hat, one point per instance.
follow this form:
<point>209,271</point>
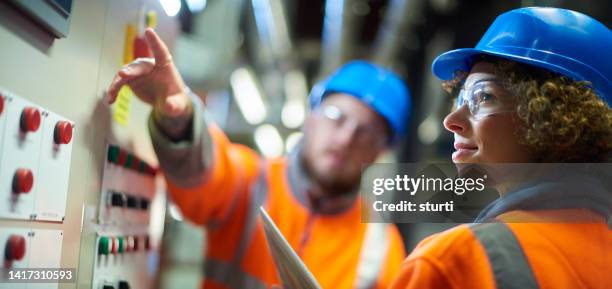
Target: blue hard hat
<point>564,41</point>
<point>377,87</point>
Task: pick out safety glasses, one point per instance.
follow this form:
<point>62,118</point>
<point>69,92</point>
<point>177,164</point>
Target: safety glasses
<point>365,135</point>
<point>485,97</point>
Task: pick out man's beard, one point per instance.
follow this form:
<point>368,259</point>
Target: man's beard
<point>332,186</point>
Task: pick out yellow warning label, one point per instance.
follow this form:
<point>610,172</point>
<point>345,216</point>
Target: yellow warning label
<point>122,106</point>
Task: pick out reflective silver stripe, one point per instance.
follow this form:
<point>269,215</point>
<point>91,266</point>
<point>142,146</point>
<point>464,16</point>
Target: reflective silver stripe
<point>259,193</point>
<point>231,276</point>
<point>509,264</point>
<point>372,256</point>
<point>297,178</point>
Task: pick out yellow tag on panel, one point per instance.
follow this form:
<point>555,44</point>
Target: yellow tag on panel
<point>122,106</point>
<point>151,19</point>
<point>121,114</point>
<point>128,48</point>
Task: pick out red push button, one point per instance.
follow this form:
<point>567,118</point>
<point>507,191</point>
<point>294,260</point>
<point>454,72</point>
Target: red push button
<point>122,159</point>
<point>63,132</point>
<point>15,248</point>
<point>30,119</point>
<point>1,103</point>
<point>23,181</point>
<point>114,245</point>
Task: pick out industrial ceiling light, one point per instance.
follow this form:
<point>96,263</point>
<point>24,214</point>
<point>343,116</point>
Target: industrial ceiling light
<point>269,141</point>
<point>296,91</point>
<point>248,96</point>
<point>171,7</point>
<point>292,140</point>
<point>293,114</point>
<point>196,6</point>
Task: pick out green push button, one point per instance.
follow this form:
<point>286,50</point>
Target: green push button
<point>122,245</point>
<point>113,154</point>
<point>128,162</point>
<point>104,246</point>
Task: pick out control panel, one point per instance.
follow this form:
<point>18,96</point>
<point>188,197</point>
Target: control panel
<point>79,188</point>
<point>35,157</point>
<point>123,240</point>
<point>30,248</point>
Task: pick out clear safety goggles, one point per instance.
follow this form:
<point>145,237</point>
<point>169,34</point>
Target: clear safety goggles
<point>484,98</point>
<point>365,135</point>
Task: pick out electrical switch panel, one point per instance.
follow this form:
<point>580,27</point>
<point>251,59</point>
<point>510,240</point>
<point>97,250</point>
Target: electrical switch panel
<point>123,240</point>
<point>30,248</point>
<point>35,151</point>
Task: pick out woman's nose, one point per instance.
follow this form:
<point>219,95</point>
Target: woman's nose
<point>458,120</point>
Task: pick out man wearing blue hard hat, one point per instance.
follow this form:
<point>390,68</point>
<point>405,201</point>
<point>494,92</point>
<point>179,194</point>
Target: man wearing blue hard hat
<point>536,89</point>
<point>357,113</point>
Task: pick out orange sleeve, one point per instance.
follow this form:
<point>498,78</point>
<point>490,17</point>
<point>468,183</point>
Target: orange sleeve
<point>234,167</point>
<point>450,259</point>
<point>420,273</point>
<point>394,258</point>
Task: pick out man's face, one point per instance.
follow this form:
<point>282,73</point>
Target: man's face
<point>341,136</point>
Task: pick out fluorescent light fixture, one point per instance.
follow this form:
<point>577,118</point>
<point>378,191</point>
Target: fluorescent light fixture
<point>292,115</point>
<point>171,7</point>
<point>268,141</point>
<point>296,91</point>
<point>196,6</point>
<point>272,25</point>
<point>295,85</point>
<point>292,140</point>
<point>248,96</point>
<point>429,130</point>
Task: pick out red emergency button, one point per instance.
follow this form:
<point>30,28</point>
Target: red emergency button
<point>63,132</point>
<point>30,119</point>
<point>15,248</point>
<point>23,181</point>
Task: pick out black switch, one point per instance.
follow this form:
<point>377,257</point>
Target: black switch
<point>124,285</point>
<point>117,199</point>
<point>132,202</point>
<point>144,204</point>
<point>108,287</point>
<point>136,243</point>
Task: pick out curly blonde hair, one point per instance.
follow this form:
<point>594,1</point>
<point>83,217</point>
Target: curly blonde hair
<point>563,120</point>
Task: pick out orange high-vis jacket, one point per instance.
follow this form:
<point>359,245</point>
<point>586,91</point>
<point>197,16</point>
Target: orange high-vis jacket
<point>340,250</point>
<point>522,255</point>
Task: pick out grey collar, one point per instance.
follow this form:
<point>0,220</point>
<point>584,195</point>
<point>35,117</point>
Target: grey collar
<point>579,192</point>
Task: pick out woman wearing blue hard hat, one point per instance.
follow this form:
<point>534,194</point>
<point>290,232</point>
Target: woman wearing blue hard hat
<point>536,89</point>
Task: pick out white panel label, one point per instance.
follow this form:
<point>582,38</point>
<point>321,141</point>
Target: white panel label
<point>54,173</point>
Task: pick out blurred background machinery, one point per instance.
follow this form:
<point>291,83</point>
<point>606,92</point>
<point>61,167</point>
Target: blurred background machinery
<point>79,186</point>
<point>256,72</point>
